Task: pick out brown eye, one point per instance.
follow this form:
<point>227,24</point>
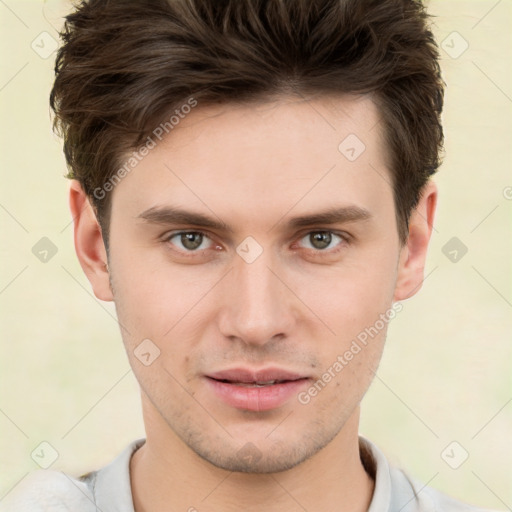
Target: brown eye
<point>321,240</point>
<point>190,240</point>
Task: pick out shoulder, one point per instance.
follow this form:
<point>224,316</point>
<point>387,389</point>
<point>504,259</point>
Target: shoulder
<point>46,490</point>
<point>106,489</point>
<point>396,491</point>
<point>424,498</point>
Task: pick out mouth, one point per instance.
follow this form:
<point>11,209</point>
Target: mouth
<point>254,384</point>
<point>256,390</point>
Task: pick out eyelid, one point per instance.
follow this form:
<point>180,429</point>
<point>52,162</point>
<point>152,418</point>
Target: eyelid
<point>347,237</point>
<point>174,232</point>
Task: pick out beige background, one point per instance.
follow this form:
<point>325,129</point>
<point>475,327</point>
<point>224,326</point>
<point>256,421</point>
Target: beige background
<point>446,372</point>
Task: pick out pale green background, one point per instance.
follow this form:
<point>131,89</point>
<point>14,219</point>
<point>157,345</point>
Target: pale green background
<point>446,372</point>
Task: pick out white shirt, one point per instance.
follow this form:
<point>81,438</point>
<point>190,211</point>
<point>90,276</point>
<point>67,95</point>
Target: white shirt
<point>109,489</point>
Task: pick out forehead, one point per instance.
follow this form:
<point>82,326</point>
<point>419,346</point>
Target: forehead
<point>264,159</point>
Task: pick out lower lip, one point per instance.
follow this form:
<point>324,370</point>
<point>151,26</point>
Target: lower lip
<point>256,399</point>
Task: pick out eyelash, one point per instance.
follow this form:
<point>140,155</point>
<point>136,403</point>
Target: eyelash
<point>345,240</point>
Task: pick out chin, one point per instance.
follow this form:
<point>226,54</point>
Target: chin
<point>251,460</point>
<point>258,457</point>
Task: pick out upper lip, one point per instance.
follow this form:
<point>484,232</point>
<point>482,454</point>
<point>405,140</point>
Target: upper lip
<point>262,375</point>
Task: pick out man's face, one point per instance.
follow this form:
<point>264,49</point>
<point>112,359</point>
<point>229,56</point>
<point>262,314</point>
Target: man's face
<point>265,292</point>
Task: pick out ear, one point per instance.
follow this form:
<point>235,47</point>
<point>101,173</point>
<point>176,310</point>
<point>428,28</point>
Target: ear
<point>411,265</point>
<point>89,245</point>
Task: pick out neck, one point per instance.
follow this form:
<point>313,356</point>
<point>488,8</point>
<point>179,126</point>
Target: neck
<point>167,475</point>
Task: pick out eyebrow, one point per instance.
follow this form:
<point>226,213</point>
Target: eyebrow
<point>170,215</point>
<point>331,216</point>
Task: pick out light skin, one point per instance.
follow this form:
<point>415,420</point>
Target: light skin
<point>255,170</point>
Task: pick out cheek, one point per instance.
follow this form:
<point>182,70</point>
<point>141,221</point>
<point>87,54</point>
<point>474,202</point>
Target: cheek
<point>351,297</point>
<point>158,301</point>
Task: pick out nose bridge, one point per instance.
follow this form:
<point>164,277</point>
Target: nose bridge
<point>256,307</point>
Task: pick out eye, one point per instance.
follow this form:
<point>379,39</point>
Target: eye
<point>190,241</point>
<point>322,240</point>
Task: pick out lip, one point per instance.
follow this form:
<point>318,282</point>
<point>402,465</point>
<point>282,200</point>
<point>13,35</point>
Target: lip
<point>237,394</point>
<point>262,375</point>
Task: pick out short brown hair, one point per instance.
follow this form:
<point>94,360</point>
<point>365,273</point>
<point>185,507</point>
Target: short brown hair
<point>125,66</point>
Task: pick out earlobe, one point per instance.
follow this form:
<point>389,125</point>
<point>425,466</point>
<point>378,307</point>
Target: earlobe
<point>89,245</point>
<point>411,266</point>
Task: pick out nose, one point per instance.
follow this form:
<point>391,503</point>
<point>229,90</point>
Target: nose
<point>257,307</point>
